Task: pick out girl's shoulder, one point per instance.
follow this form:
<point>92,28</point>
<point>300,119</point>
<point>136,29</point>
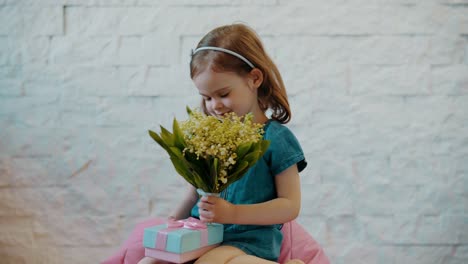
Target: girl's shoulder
<point>280,136</point>
<point>274,129</point>
<point>284,150</point>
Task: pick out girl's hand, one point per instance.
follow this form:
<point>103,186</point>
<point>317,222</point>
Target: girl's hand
<point>215,209</point>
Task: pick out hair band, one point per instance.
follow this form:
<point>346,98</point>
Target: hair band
<point>225,51</point>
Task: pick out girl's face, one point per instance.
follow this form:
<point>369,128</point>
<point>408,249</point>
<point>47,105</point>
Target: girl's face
<point>225,92</point>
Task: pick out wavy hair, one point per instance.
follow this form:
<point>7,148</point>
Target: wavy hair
<point>243,40</point>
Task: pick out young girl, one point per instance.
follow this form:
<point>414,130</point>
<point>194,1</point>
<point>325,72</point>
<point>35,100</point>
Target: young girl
<point>233,73</point>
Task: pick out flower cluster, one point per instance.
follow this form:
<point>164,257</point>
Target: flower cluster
<point>208,136</point>
<point>211,153</point>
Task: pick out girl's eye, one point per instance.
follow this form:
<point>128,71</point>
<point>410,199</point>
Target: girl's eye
<point>224,95</point>
<point>206,98</point>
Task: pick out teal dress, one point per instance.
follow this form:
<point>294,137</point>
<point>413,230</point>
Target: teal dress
<point>258,186</point>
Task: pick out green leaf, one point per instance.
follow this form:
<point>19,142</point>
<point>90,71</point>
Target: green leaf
<point>167,137</point>
<point>236,175</point>
<point>252,157</point>
<point>214,172</point>
<point>189,111</point>
<point>177,152</point>
<point>182,170</point>
<point>191,173</point>
<point>178,135</point>
<point>242,166</point>
<point>200,164</point>
<point>265,145</point>
<point>242,149</point>
<point>158,139</point>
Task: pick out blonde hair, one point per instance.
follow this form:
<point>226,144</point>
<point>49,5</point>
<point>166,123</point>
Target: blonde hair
<point>243,40</point>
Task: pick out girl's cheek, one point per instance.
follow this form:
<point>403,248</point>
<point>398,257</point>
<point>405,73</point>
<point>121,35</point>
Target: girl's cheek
<point>207,105</point>
<point>209,108</point>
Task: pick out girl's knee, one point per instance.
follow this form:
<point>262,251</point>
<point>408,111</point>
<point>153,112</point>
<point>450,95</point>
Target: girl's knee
<point>148,260</point>
<point>249,259</point>
<point>220,255</point>
<point>295,261</point>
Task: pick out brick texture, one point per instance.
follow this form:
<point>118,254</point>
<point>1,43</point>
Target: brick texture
<point>379,94</point>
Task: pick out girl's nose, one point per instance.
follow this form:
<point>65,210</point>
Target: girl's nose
<point>217,104</point>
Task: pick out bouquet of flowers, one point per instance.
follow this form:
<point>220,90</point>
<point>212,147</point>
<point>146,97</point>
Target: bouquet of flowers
<point>210,152</point>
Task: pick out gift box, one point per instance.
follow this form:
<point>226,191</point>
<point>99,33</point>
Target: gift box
<point>181,241</point>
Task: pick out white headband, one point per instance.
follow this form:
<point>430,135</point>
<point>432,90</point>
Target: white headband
<point>226,51</point>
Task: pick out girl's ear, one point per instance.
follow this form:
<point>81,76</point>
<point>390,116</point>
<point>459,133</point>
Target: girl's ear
<point>256,77</point>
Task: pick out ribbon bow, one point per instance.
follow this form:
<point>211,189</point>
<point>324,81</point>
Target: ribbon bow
<point>189,223</point>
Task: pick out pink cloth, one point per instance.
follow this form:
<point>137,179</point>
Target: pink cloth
<point>297,244</point>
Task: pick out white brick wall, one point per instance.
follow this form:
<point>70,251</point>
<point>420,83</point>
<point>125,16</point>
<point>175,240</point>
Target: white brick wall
<point>379,91</point>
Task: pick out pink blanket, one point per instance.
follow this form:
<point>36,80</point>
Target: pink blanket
<point>297,244</point>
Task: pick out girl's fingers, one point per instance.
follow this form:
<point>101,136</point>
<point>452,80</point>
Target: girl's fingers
<point>206,220</point>
<point>206,216</point>
<point>205,206</point>
<point>209,199</point>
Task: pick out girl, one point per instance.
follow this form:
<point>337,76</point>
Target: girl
<point>233,73</point>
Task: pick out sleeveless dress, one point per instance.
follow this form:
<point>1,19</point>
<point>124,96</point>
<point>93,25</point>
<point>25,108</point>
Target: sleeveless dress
<point>257,186</point>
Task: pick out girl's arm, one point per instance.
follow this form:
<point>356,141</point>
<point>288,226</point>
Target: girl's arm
<point>183,210</point>
<point>277,211</point>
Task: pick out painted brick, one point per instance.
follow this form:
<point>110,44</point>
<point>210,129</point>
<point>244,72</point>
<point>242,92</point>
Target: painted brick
<point>83,254</point>
<point>456,226</point>
<point>42,21</point>
<point>35,49</point>
<point>9,53</point>
<point>329,200</point>
<point>204,3</point>
<point>160,49</point>
<point>384,50</point>
<point>427,229</point>
<point>30,111</point>
<point>459,254</point>
<point>449,80</point>
<point>446,49</point>
<point>88,81</point>
<point>77,231</point>
<point>377,228</point>
<point>426,18</point>
<point>10,22</point>
<point>108,21</point>
<point>83,50</point>
<point>78,112</point>
<point>367,253</point>
<point>390,80</point>
<point>368,169</point>
<point>89,199</point>
<point>156,81</point>
<point>316,225</point>
<point>36,172</point>
<point>379,102</point>
<point>44,81</point>
<point>5,172</point>
<point>466,52</point>
<point>22,239</point>
<point>10,81</point>
<point>420,254</point>
<point>344,228</point>
<point>320,81</point>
